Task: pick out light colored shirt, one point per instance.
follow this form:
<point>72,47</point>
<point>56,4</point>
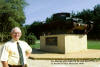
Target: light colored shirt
<point>10,52</point>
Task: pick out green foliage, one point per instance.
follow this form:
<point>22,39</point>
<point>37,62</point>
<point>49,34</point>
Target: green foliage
<point>35,28</point>
<point>26,27</point>
<point>11,15</point>
<point>31,39</point>
<point>96,16</point>
<point>91,15</point>
<point>48,20</point>
<point>86,15</point>
<point>35,23</point>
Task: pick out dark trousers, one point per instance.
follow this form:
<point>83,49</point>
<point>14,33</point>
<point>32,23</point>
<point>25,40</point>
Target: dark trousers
<point>17,65</point>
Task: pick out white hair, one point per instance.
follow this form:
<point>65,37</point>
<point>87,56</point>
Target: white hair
<point>16,28</point>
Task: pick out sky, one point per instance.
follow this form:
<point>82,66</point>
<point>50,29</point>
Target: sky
<point>39,10</point>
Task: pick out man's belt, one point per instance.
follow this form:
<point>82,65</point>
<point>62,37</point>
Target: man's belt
<point>17,65</point>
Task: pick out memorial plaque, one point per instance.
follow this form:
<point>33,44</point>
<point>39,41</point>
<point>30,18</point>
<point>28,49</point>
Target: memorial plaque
<point>51,41</point>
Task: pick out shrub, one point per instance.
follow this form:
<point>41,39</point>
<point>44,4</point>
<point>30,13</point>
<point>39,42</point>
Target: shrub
<point>31,39</point>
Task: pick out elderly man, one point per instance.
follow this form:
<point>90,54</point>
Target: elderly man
<point>15,51</point>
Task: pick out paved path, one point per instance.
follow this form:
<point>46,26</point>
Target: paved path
<point>60,63</point>
<point>89,53</point>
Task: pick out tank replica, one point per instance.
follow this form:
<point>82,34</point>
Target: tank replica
<point>73,25</point>
<point>62,23</point>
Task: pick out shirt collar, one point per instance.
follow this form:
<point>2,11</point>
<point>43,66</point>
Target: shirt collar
<point>14,40</point>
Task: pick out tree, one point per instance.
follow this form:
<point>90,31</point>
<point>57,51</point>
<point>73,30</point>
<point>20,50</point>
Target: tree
<point>86,15</point>
<point>35,28</point>
<point>96,19</point>
<point>92,15</point>
<point>11,15</point>
<point>48,20</point>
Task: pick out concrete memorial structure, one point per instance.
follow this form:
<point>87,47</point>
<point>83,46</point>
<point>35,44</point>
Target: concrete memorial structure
<point>65,34</point>
<point>64,43</point>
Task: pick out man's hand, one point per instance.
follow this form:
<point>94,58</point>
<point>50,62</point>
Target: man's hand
<point>28,54</point>
<point>4,63</point>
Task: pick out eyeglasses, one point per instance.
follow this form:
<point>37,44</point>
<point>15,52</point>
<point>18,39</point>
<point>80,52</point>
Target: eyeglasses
<point>15,33</point>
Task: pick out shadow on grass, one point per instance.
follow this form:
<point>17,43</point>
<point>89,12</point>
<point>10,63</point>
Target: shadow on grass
<point>38,51</point>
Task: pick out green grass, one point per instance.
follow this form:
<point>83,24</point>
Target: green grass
<point>37,45</point>
<point>92,44</point>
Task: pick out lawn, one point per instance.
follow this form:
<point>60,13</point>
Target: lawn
<point>37,45</point>
<point>92,44</point>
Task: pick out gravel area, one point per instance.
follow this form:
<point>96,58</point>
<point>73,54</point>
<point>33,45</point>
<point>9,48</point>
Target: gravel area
<point>59,63</point>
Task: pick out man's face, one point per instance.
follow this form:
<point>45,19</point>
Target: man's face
<point>16,34</point>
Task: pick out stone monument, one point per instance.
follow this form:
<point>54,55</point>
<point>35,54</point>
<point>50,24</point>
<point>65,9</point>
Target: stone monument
<point>65,34</point>
<point>63,43</point>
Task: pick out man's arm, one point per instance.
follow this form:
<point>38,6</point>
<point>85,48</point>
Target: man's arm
<point>28,54</point>
<point>4,63</point>
<point>28,50</point>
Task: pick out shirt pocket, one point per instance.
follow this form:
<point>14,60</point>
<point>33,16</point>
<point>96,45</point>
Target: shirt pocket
<point>13,52</point>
